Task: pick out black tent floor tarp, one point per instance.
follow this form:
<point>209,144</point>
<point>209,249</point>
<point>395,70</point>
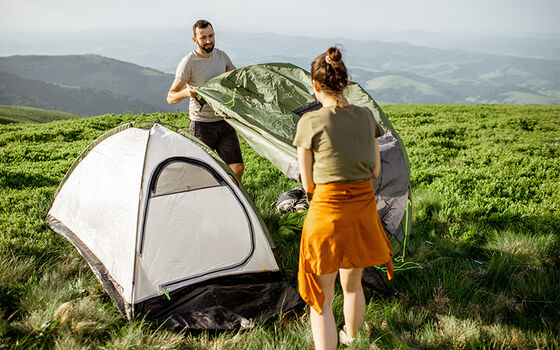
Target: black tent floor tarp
<point>224,303</point>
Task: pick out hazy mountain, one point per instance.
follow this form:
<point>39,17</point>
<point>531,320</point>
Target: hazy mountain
<point>162,48</point>
<point>534,45</point>
<point>454,69</point>
<point>447,76</point>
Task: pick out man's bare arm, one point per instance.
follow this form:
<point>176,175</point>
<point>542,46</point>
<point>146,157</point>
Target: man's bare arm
<point>230,68</point>
<point>178,92</point>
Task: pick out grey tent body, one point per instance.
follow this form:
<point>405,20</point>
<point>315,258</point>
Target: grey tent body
<point>169,234</point>
<point>264,102</point>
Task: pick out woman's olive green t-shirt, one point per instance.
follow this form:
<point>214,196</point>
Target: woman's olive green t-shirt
<point>342,141</point>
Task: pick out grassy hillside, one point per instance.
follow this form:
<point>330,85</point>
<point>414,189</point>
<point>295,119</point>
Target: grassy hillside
<point>17,114</point>
<point>139,87</point>
<point>486,194</point>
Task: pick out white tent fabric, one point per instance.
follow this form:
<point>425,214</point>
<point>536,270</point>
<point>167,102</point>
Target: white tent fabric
<point>99,202</point>
<point>188,235</point>
<point>158,213</point>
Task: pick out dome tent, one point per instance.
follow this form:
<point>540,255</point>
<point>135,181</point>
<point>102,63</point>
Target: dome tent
<point>168,232</point>
<point>264,102</point>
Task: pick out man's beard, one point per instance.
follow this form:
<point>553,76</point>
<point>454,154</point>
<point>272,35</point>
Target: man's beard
<point>207,48</point>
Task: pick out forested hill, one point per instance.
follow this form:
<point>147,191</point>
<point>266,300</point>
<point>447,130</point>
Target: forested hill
<point>85,101</point>
<point>83,84</point>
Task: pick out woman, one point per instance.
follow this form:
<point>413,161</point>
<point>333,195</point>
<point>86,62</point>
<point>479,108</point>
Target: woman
<point>338,154</point>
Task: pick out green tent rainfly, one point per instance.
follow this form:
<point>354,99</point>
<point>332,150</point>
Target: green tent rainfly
<point>260,102</point>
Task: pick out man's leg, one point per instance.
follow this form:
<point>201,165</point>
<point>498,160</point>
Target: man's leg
<point>230,151</point>
<point>323,326</point>
<point>205,132</point>
<point>238,169</point>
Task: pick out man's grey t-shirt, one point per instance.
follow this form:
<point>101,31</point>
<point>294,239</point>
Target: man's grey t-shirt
<point>196,70</point>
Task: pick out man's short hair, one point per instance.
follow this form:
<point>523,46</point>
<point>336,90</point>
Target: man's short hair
<point>201,23</point>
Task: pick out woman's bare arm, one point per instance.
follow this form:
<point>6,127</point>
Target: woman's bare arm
<point>377,168</point>
<point>305,160</point>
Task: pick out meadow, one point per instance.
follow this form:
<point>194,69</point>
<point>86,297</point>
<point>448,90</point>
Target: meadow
<point>485,185</point>
<point>16,114</point>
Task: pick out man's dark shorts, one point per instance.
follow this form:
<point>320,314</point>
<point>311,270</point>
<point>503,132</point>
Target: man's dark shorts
<point>219,136</point>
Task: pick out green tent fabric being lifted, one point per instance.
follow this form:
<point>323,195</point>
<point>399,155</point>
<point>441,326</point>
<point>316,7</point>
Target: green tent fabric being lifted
<point>262,101</point>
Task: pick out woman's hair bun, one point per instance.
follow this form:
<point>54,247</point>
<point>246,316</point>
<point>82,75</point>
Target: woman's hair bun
<point>334,54</point>
<point>329,71</point>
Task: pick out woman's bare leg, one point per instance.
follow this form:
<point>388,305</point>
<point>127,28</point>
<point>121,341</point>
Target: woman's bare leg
<point>323,326</point>
<point>354,300</point>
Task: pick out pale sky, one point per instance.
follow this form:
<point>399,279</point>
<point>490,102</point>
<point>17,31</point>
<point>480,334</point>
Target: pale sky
<point>309,18</point>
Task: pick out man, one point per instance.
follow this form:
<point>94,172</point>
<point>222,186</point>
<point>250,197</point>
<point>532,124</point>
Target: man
<point>197,67</point>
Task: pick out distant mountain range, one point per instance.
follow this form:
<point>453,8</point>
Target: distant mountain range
<point>395,73</point>
<point>392,72</point>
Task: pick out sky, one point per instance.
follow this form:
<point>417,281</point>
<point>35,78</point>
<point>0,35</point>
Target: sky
<point>348,18</point>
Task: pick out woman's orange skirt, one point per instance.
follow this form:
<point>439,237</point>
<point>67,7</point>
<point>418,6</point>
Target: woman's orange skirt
<point>342,230</point>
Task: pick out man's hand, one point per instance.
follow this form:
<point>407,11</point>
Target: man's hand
<point>178,93</point>
<point>190,92</point>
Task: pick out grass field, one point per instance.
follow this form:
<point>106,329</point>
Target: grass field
<point>486,196</point>
<point>19,114</point>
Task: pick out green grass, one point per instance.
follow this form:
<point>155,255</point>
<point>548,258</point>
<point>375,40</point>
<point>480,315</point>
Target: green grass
<point>486,195</point>
<point>18,114</point>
